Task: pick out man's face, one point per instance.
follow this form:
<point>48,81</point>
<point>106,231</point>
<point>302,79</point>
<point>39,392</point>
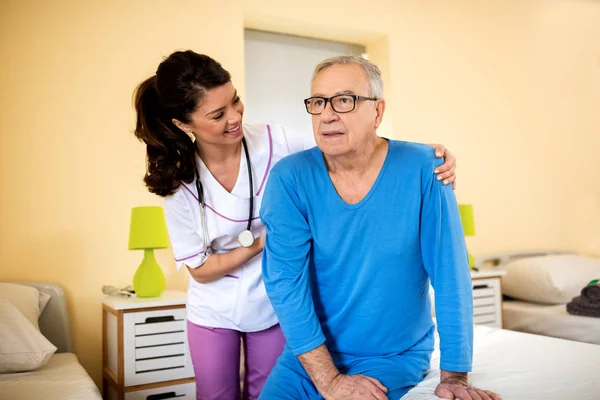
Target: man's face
<point>343,133</point>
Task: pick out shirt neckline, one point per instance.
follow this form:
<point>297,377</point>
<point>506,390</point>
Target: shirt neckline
<point>331,187</point>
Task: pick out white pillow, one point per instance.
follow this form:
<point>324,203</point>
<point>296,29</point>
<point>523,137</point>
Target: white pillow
<point>25,298</point>
<point>553,279</point>
<point>22,348</point>
<point>44,300</point>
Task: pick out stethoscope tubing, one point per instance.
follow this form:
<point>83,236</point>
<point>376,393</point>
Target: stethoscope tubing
<point>200,189</point>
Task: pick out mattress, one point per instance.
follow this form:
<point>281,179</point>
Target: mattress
<point>522,366</point>
<point>61,378</point>
<point>550,320</point>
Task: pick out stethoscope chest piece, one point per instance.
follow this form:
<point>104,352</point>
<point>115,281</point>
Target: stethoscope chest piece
<point>246,238</point>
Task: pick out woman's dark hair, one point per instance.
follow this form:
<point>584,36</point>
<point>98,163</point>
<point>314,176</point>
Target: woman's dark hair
<point>180,83</point>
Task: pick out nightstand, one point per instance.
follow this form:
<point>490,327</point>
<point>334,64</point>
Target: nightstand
<point>487,297</point>
<point>145,353</point>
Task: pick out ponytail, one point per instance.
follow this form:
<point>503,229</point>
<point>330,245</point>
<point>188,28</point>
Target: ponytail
<point>170,153</point>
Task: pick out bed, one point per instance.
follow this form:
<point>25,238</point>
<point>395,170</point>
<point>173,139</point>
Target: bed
<point>522,366</point>
<point>62,377</point>
<point>537,317</point>
<point>549,320</point>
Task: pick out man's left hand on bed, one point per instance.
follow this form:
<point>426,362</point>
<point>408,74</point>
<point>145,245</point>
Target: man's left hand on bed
<point>456,386</point>
<point>447,171</point>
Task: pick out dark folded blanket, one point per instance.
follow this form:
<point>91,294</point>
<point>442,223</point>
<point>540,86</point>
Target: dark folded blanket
<point>588,304</point>
<point>578,306</point>
<point>591,293</point>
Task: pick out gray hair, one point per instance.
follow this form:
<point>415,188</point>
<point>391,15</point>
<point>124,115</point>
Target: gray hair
<point>373,72</point>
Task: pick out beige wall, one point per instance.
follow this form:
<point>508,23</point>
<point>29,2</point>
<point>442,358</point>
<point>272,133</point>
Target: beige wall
<point>511,87</point>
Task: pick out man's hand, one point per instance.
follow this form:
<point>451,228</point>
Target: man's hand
<point>335,386</point>
<point>454,385</point>
<point>354,387</point>
<point>446,171</point>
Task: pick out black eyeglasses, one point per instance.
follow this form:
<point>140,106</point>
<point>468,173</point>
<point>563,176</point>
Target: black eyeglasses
<point>342,103</point>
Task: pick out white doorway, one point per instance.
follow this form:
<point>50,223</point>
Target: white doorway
<point>278,70</point>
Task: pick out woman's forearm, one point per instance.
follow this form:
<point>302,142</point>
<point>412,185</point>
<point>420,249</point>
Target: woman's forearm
<point>218,265</point>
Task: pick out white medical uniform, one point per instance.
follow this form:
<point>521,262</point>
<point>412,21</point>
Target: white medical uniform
<point>238,300</point>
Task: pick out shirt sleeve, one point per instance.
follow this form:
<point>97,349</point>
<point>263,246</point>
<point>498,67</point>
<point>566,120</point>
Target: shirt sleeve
<point>298,140</point>
<point>446,261</point>
<point>187,244</point>
<point>286,259</point>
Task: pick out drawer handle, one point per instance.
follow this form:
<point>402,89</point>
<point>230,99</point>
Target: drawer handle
<point>161,396</point>
<point>154,320</point>
<point>480,287</point>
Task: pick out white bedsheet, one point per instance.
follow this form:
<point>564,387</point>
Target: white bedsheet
<point>550,320</point>
<point>521,366</point>
<point>61,378</point>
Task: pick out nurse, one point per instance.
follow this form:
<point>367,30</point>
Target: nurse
<point>211,169</point>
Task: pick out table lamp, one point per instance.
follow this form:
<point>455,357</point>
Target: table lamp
<point>468,223</point>
<point>148,231</point>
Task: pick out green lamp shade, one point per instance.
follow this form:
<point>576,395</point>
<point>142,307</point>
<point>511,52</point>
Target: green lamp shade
<point>466,216</point>
<point>148,231</point>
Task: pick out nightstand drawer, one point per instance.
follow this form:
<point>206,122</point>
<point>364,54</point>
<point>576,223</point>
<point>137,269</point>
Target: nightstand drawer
<point>160,363</point>
<point>482,310</point>
<point>159,351</point>
<point>186,391</point>
<point>155,347</point>
<point>487,302</point>
<point>489,320</point>
<point>485,287</point>
<point>164,339</point>
<point>146,328</point>
<point>158,321</point>
<point>482,291</point>
<point>483,301</point>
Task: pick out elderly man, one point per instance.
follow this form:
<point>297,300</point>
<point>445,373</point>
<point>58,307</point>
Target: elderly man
<point>356,228</point>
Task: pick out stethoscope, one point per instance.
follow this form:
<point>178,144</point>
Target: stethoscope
<point>245,238</point>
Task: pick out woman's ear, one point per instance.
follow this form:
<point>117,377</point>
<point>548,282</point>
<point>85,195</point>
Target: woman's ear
<point>185,129</point>
<point>180,124</point>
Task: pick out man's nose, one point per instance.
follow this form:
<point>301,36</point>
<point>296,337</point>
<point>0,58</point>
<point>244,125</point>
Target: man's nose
<point>328,113</point>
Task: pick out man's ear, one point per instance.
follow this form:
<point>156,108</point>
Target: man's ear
<point>379,110</point>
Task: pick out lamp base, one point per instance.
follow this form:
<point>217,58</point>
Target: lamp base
<point>471,261</point>
<point>149,279</point>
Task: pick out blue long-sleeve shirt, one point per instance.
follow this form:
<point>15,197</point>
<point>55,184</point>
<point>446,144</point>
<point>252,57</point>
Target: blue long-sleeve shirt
<point>356,276</point>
